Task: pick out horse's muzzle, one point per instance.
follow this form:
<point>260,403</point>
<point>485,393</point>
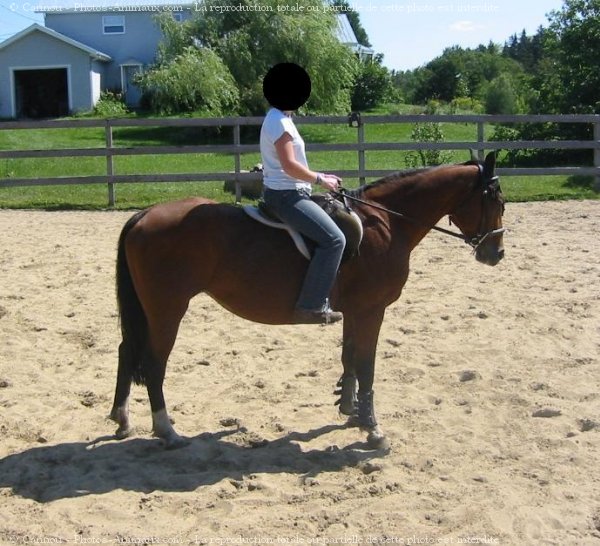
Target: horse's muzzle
<point>489,255</point>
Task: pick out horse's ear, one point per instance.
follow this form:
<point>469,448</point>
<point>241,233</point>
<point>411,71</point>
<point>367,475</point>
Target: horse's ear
<point>474,156</point>
<point>490,164</point>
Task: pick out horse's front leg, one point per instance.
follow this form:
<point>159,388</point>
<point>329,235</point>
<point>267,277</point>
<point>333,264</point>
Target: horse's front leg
<point>361,336</point>
<point>347,385</point>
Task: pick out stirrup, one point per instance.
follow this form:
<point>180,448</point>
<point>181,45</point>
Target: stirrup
<point>316,316</point>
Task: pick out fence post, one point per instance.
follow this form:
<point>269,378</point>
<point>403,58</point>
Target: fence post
<point>238,163</point>
<point>597,153</point>
<point>481,139</point>
<point>361,151</point>
<point>109,163</point>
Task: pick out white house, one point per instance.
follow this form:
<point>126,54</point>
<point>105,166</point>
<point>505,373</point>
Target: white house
<point>60,68</point>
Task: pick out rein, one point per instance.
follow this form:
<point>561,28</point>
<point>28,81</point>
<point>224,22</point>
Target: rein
<point>343,194</point>
<point>473,242</point>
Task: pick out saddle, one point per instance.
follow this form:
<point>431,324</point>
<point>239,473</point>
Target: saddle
<point>345,218</point>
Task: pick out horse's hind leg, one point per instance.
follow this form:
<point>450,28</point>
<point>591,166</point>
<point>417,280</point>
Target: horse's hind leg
<point>163,327</point>
<point>120,409</point>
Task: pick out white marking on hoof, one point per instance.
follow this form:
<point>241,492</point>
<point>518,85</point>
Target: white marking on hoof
<point>162,428</point>
<point>121,416</point>
<point>376,439</point>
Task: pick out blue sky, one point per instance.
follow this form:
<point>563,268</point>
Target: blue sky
<point>408,32</point>
<point>411,33</point>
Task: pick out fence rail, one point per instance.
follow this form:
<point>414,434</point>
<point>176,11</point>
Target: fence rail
<point>110,151</point>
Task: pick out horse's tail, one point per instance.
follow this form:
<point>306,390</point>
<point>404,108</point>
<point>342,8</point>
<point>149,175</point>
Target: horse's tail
<point>134,326</point>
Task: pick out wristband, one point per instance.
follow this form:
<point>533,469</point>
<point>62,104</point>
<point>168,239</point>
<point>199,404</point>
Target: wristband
<point>319,180</point>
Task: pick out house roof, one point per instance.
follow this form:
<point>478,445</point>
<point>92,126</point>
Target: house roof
<point>346,35</point>
<point>98,55</point>
<point>119,9</point>
<point>344,31</point>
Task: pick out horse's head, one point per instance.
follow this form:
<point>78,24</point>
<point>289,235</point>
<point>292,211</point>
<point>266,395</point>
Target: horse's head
<point>479,216</point>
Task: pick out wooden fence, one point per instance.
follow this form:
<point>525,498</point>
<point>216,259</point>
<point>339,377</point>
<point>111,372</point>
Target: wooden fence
<point>361,147</point>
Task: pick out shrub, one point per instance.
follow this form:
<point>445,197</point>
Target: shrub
<point>427,132</point>
<point>110,105</point>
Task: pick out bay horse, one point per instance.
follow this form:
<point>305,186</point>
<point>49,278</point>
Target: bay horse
<point>171,252</point>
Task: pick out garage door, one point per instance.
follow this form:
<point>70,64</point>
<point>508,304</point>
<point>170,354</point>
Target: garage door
<point>41,93</point>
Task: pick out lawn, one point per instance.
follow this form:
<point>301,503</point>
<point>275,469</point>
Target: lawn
<point>144,194</point>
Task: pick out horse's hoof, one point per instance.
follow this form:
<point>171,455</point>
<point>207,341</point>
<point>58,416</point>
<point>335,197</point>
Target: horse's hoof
<point>377,440</point>
<point>176,442</point>
<point>123,433</point>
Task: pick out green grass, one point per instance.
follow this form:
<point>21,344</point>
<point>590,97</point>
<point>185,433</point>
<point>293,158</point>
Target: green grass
<point>142,195</point>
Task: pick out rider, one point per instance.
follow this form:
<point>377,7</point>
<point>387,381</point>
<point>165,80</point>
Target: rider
<point>287,188</point>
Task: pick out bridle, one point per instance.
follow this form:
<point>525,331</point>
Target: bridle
<point>491,191</point>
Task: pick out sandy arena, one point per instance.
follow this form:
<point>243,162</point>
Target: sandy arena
<point>487,384</point>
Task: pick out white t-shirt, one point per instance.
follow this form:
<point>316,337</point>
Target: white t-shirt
<point>277,123</point>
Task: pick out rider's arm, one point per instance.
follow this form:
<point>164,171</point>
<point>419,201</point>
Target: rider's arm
<point>285,152</point>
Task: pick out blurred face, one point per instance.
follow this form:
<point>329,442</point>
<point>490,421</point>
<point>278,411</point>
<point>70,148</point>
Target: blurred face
<point>286,86</point>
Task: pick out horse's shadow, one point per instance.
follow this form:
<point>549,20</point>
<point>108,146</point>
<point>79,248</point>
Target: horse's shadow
<point>75,469</point>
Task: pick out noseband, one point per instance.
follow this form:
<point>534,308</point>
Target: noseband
<point>491,191</point>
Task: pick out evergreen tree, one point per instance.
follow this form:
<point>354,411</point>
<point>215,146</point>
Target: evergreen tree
<point>501,97</point>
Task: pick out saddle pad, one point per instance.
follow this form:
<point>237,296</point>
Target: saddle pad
<point>255,214</point>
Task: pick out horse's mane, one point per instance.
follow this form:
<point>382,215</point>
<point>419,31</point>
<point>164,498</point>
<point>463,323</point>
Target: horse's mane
<point>402,176</point>
<point>393,177</point>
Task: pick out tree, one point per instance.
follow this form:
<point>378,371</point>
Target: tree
<point>463,73</point>
<point>194,81</point>
<point>441,79</point>
<point>573,42</point>
<point>567,77</point>
<point>501,97</point>
<point>251,37</point>
<point>187,78</point>
<point>373,85</point>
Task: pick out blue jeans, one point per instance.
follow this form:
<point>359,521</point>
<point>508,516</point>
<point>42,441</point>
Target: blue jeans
<point>296,209</point>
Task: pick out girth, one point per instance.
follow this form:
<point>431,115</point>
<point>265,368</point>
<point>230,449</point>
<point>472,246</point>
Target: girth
<point>345,218</point>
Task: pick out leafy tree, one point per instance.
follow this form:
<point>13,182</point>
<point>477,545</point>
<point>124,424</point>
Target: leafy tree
<point>462,72</point>
<point>373,85</point>
<point>566,75</point>
<point>573,43</point>
<point>440,79</point>
<point>250,41</point>
<point>195,80</point>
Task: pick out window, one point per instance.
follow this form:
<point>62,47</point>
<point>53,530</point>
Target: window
<point>113,24</point>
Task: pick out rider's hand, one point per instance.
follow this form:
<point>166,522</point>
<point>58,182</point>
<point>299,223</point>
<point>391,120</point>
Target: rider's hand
<point>330,181</point>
